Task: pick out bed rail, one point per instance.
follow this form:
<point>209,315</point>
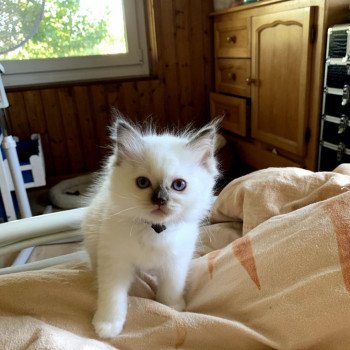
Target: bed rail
<point>42,229</point>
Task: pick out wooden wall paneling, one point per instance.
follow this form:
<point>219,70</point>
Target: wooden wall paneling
<point>184,44</point>
<point>17,120</point>
<point>101,117</point>
<point>157,52</point>
<point>167,40</point>
<point>207,53</point>
<point>131,96</point>
<point>158,109</point>
<point>146,109</point>
<point>53,116</point>
<point>87,127</point>
<point>115,99</point>
<point>197,59</point>
<point>71,129</point>
<point>115,103</point>
<point>160,90</point>
<point>37,124</point>
<point>151,23</point>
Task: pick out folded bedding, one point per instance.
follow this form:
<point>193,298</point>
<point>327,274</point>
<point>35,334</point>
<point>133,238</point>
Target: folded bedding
<point>271,271</point>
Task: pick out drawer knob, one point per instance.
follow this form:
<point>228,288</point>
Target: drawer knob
<point>232,76</point>
<point>250,81</point>
<point>231,39</point>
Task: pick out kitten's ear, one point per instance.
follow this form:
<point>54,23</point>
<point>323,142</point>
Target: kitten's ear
<point>127,139</point>
<point>203,142</point>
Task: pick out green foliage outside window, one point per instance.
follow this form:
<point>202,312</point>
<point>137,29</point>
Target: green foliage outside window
<point>66,31</point>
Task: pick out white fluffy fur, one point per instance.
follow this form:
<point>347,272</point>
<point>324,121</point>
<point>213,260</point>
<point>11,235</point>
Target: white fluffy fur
<point>118,234</point>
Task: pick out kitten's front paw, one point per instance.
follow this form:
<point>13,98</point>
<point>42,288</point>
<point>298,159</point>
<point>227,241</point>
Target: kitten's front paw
<point>107,329</point>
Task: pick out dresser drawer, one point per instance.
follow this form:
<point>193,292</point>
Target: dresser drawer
<point>233,76</point>
<point>232,109</point>
<point>232,37</point>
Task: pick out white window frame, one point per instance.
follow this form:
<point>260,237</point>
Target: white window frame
<point>52,70</point>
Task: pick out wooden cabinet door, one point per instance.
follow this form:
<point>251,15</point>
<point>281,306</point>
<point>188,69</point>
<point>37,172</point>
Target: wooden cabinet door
<point>281,53</point>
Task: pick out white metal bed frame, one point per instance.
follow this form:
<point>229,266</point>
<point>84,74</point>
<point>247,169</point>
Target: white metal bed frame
<point>43,229</point>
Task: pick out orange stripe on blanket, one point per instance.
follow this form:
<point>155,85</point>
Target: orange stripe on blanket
<point>181,333</point>
<point>211,261</point>
<point>338,213</point>
<point>243,251</point>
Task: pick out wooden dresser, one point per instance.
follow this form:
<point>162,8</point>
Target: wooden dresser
<point>269,62</point>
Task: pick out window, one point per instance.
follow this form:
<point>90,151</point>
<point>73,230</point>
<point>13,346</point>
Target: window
<point>79,40</point>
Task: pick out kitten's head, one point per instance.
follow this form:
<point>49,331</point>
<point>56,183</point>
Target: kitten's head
<point>162,178</point>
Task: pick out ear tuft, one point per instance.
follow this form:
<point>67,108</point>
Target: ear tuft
<point>204,143</point>
<point>127,138</point>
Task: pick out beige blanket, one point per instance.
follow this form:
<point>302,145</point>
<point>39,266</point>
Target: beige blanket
<point>285,284</point>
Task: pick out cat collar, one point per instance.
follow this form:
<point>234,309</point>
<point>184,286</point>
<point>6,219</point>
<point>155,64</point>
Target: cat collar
<point>158,227</point>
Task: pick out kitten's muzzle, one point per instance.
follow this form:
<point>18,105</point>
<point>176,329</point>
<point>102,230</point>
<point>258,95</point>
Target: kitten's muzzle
<point>160,196</point>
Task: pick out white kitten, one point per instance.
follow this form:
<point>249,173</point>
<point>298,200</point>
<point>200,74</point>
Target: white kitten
<point>146,214</point>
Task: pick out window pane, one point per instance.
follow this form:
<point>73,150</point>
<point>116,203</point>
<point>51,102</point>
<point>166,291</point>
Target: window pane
<point>72,28</point>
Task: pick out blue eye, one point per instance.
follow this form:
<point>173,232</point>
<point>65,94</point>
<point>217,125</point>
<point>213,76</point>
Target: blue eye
<point>143,182</point>
<point>179,185</point>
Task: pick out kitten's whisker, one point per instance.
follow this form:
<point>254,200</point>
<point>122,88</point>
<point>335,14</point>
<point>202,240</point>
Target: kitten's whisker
<point>131,195</point>
<point>120,196</point>
<point>122,211</point>
<point>209,233</point>
<point>132,228</point>
<point>200,241</point>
